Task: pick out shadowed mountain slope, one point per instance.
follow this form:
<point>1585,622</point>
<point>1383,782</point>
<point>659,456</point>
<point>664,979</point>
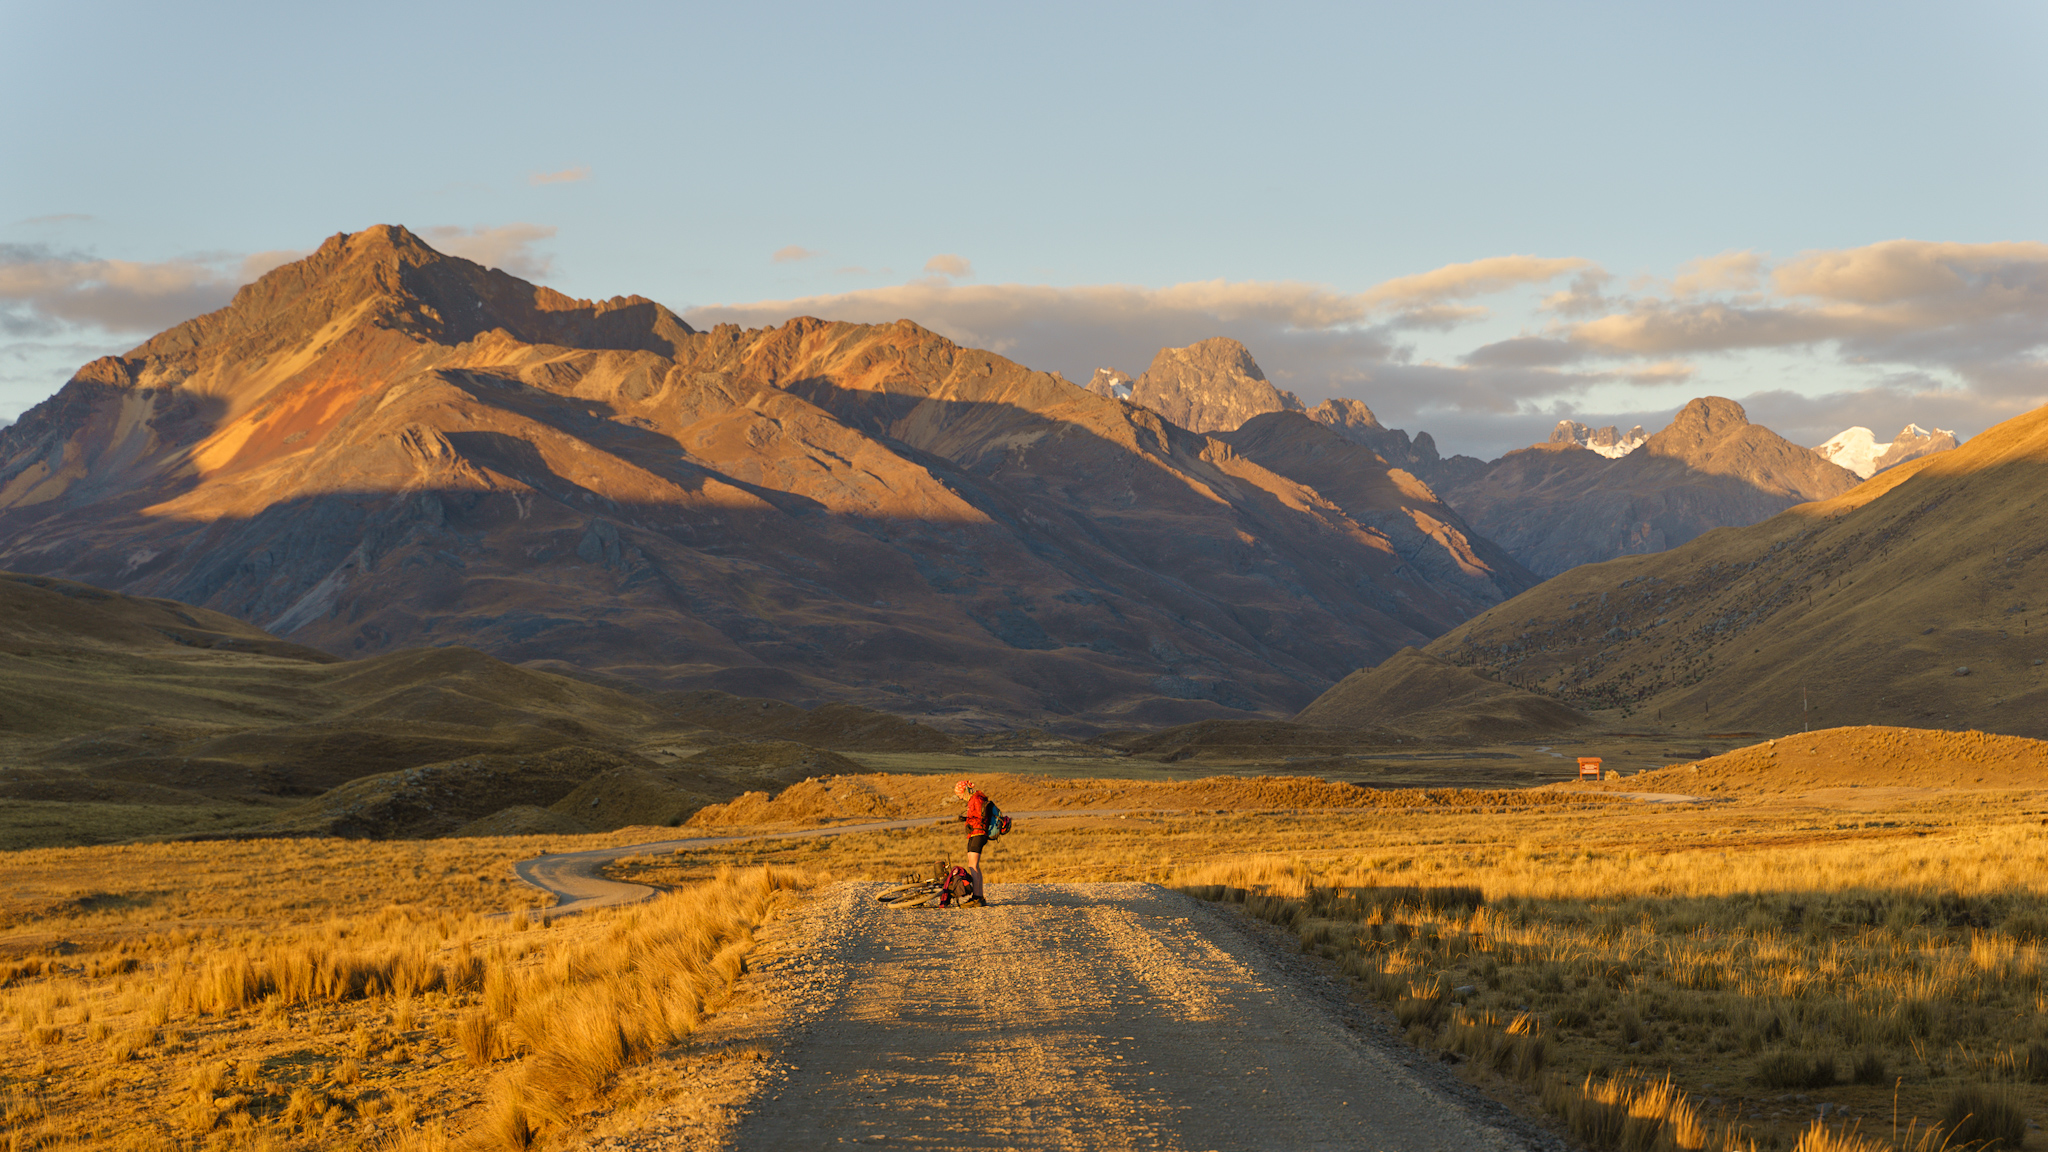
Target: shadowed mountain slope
<point>187,721</point>
<point>1557,505</point>
<point>1425,531</point>
<point>1908,600</point>
<point>381,447</point>
<point>1415,692</point>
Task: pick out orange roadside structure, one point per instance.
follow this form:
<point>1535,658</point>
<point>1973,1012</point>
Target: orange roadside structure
<point>1589,766</point>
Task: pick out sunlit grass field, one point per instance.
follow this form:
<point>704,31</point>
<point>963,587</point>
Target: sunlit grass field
<point>1646,975</point>
<point>1777,965</point>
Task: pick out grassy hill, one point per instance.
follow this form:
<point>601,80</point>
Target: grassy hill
<point>1908,600</point>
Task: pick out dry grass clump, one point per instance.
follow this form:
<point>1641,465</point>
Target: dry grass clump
<point>1979,1116</point>
<point>1633,1114</point>
<point>386,1029</point>
<point>591,1010</point>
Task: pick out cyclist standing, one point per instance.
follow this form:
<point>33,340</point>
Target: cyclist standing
<point>977,835</point>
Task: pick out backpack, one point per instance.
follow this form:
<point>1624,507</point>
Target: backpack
<point>957,885</point>
<point>998,823</point>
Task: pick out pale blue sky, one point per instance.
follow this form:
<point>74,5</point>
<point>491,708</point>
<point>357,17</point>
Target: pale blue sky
<point>1060,148</point>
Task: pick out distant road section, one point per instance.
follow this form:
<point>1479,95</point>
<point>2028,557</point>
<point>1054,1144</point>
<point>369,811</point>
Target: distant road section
<point>575,879</point>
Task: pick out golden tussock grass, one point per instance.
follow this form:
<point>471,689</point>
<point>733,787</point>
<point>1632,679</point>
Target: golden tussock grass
<point>1760,975</point>
<point>389,1029</point>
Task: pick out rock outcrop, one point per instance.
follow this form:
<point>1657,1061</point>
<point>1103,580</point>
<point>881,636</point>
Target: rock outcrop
<point>1418,457</point>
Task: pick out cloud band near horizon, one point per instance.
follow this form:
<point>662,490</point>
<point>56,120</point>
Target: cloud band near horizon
<point>1935,332</point>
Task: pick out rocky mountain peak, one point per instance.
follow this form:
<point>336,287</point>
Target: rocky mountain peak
<point>1212,385</point>
<point>1703,423</point>
<point>1913,442</point>
<point>1714,416</point>
<point>1343,412</point>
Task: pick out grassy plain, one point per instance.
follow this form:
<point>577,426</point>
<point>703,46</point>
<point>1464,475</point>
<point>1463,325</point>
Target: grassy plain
<point>1676,975</point>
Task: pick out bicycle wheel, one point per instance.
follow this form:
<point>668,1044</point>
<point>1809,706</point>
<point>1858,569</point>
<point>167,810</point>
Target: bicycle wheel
<point>909,894</point>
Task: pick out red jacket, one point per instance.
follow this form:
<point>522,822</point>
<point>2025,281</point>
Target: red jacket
<point>977,815</point>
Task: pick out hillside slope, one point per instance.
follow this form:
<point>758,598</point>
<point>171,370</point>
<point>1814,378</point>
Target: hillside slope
<point>1907,601</point>
<point>380,447</point>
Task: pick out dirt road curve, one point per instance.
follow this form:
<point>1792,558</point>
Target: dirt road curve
<point>1079,1016</point>
<point>576,880</point>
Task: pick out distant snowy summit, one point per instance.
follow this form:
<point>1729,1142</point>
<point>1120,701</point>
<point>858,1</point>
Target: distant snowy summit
<point>1111,383</point>
<point>1609,441</point>
<point>1857,448</point>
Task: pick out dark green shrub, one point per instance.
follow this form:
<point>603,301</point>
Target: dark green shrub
<point>1870,1069</point>
<point>2037,1063</point>
<point>1792,1070</point>
<point>1981,1117</point>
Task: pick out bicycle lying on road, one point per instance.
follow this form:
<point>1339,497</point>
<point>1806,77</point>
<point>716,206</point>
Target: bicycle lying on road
<point>948,885</point>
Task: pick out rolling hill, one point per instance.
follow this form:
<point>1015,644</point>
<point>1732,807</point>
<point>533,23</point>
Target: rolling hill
<point>124,716</point>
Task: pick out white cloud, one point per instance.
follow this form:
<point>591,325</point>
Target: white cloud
<point>42,291</point>
<point>1977,311</point>
<point>1728,272</point>
<point>1898,331</point>
<point>575,175</point>
<point>1463,281</point>
<point>508,247</point>
<point>255,264</point>
<point>947,264</point>
<point>788,253</point>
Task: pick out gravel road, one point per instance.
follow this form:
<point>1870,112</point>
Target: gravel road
<point>1080,1016</point>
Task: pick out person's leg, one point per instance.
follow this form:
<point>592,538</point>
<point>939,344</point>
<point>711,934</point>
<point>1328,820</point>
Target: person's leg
<point>974,871</point>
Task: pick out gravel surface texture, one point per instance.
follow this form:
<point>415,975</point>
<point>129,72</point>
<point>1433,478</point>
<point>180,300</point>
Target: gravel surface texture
<point>1074,1016</point>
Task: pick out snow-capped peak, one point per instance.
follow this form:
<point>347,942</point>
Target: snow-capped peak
<point>1856,449</point>
<point>1859,450</point>
<point>1609,441</point>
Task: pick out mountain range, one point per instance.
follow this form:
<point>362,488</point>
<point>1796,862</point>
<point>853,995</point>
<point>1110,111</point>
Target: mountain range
<point>1583,496</point>
<point>380,447</point>
<point>1556,506</point>
<point>1857,448</point>
<point>1907,600</point>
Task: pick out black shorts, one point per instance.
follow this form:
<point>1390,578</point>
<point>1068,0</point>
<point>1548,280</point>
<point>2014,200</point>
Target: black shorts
<point>976,843</point>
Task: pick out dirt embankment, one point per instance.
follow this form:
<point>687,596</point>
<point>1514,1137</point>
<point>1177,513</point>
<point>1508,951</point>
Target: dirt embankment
<point>1865,756</point>
<point>897,797</point>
